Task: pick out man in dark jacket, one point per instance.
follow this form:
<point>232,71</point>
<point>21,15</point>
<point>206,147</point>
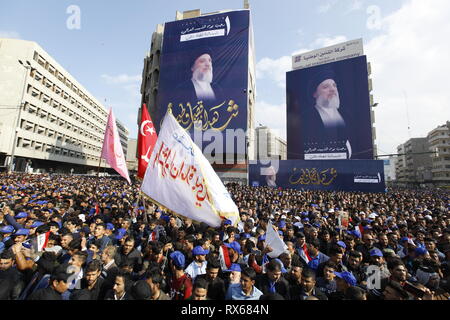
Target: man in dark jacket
<point>130,253</point>
<point>216,286</point>
<point>58,285</point>
<point>272,281</point>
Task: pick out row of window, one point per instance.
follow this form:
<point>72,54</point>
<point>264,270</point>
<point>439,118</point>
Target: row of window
<point>36,93</point>
<point>50,117</point>
<point>50,133</point>
<point>43,147</point>
<point>58,75</point>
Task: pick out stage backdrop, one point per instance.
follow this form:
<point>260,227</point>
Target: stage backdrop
<point>219,41</point>
<point>341,129</point>
<point>331,175</point>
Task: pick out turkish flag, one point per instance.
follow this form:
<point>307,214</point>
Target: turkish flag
<point>146,141</point>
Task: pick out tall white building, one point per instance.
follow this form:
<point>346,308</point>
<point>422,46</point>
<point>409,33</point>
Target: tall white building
<point>268,145</point>
<point>59,124</point>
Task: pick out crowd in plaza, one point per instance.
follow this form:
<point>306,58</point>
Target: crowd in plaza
<point>105,241</point>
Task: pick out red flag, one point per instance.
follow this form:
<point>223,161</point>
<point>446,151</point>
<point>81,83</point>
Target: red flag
<point>97,209</point>
<point>146,141</point>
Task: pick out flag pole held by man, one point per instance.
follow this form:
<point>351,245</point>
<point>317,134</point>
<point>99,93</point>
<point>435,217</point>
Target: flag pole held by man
<point>112,150</point>
<point>182,180</point>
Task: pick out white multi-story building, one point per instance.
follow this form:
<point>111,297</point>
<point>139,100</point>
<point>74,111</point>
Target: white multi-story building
<point>268,145</point>
<point>47,118</point>
<point>439,142</point>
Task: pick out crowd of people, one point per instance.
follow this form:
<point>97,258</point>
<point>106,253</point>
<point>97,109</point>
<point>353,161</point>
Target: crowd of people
<point>66,237</point>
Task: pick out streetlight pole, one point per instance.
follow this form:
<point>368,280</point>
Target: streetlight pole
<point>16,129</point>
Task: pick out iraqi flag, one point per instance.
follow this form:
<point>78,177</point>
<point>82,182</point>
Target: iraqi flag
<point>303,253</point>
<point>224,258</point>
<point>146,141</point>
<point>41,241</point>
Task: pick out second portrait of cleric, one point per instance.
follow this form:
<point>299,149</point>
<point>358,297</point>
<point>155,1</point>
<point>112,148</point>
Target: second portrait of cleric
<point>325,125</point>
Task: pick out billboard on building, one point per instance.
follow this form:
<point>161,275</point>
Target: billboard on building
<point>329,175</point>
<point>342,51</point>
<point>328,112</point>
<point>204,72</point>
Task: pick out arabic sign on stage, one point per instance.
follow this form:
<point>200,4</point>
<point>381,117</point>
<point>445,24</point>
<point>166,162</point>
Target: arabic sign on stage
<point>181,179</point>
<point>330,175</point>
<point>328,112</point>
<point>204,72</point>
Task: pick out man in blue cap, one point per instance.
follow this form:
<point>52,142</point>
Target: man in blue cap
<point>6,233</point>
<point>180,282</point>
<point>17,221</point>
<point>377,260</point>
<point>198,266</point>
<point>344,281</point>
<point>246,289</point>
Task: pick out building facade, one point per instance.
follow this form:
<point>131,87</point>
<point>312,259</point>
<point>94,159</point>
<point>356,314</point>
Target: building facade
<point>389,169</point>
<point>439,144</point>
<point>235,170</point>
<point>132,161</point>
<point>268,145</point>
<point>414,162</point>
<point>60,125</point>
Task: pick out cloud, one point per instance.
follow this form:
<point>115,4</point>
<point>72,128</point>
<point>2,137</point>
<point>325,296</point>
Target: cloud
<point>272,116</point>
<point>121,78</point>
<point>9,34</point>
<point>326,41</point>
<point>410,68</point>
<point>355,5</point>
<point>274,69</point>
<point>324,8</point>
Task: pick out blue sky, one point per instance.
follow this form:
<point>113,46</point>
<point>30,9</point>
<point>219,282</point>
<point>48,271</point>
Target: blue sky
<point>404,44</point>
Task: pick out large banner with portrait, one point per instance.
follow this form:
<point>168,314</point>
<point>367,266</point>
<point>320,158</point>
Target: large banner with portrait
<point>204,72</point>
<point>328,112</point>
<point>330,175</point>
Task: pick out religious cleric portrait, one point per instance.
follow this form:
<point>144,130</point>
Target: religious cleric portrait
<point>328,112</point>
<point>200,84</point>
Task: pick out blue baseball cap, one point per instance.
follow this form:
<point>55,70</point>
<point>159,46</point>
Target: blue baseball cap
<point>282,224</point>
<point>376,253</point>
<point>36,224</point>
<point>178,258</point>
<point>22,232</point>
<point>404,239</point>
<point>199,251</point>
<point>109,226</point>
<point>227,222</point>
<point>262,238</point>
<point>21,215</point>
<point>7,229</point>
<point>420,251</point>
<point>120,233</point>
<point>341,244</point>
<point>235,246</point>
<point>245,236</point>
<point>234,267</point>
<point>347,277</point>
<point>283,269</point>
